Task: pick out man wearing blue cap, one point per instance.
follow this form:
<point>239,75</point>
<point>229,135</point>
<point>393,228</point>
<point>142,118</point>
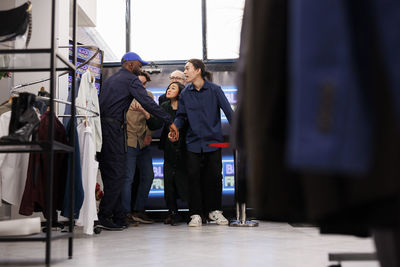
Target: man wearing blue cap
<point>115,96</point>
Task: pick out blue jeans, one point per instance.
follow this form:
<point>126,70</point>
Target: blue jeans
<point>141,157</point>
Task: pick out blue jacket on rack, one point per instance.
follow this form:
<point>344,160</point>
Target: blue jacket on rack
<point>331,108</point>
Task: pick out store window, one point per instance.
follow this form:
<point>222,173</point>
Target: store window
<point>110,33</point>
<point>224,22</point>
<point>166,30</point>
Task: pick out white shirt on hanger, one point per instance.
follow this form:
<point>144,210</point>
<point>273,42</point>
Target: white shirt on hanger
<point>88,212</point>
<point>87,97</point>
<point>13,169</point>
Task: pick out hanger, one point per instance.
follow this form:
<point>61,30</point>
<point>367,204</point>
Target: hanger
<point>95,114</point>
<point>76,116</point>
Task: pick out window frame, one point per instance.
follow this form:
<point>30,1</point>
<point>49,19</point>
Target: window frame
<point>168,62</point>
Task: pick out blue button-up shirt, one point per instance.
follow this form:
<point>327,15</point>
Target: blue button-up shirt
<point>117,93</point>
<point>201,110</point>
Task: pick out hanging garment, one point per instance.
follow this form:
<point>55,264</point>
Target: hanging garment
<point>331,194</point>
<point>67,110</point>
<point>13,168</point>
<point>78,188</point>
<point>88,212</point>
<point>346,197</point>
<point>87,97</point>
<point>34,196</point>
<point>273,191</point>
<point>330,127</point>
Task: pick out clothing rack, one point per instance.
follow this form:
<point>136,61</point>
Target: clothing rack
<point>14,88</point>
<point>95,114</point>
<point>49,146</point>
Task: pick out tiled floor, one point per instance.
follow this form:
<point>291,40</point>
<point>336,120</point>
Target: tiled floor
<point>270,244</point>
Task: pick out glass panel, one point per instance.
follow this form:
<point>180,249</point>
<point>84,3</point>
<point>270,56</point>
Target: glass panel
<point>224,22</point>
<point>166,30</point>
<point>109,33</point>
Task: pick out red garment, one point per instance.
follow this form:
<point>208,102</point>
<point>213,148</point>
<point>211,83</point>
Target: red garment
<point>34,197</point>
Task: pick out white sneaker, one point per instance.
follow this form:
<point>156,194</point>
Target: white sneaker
<point>195,220</point>
<point>217,217</point>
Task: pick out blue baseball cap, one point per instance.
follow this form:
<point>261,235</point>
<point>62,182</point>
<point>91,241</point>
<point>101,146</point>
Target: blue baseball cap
<point>133,56</point>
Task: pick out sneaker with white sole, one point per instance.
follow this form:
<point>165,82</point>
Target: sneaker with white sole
<point>217,217</point>
<point>195,220</point>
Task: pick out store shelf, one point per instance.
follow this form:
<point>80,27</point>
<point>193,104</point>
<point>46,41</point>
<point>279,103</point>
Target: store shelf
<point>41,146</point>
<point>31,60</point>
<point>37,237</point>
<point>44,60</point>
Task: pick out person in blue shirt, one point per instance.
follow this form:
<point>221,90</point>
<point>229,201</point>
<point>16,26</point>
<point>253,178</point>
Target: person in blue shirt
<point>115,96</point>
<point>199,107</point>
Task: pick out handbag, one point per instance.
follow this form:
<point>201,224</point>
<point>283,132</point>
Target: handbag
<point>15,22</point>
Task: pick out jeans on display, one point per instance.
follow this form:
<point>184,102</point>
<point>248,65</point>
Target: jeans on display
<point>142,158</point>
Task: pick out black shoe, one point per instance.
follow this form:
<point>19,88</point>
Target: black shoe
<point>175,218</point>
<point>24,119</point>
<point>141,217</point>
<point>168,219</point>
<point>121,223</point>
<point>107,224</point>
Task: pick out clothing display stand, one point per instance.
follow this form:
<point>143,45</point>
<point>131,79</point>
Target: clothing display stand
<point>241,219</point>
<point>50,146</point>
<point>339,257</point>
<point>17,87</point>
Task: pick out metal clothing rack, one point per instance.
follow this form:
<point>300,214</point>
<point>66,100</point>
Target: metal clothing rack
<point>49,146</point>
<point>16,87</point>
<point>94,113</point>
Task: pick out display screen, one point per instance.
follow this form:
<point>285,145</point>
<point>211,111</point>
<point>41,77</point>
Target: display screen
<point>94,66</point>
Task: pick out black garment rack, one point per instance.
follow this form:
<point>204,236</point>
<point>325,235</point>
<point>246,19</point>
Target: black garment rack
<point>17,87</point>
<point>49,146</point>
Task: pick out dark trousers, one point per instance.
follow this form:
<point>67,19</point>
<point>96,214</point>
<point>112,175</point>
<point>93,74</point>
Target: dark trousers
<point>205,181</point>
<point>175,184</point>
<point>112,168</point>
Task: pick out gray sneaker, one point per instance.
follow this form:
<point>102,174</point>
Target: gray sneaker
<point>217,217</point>
<point>195,221</point>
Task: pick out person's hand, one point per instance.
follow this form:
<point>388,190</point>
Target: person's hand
<point>172,137</point>
<point>135,106</point>
<point>173,134</point>
<point>147,140</point>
